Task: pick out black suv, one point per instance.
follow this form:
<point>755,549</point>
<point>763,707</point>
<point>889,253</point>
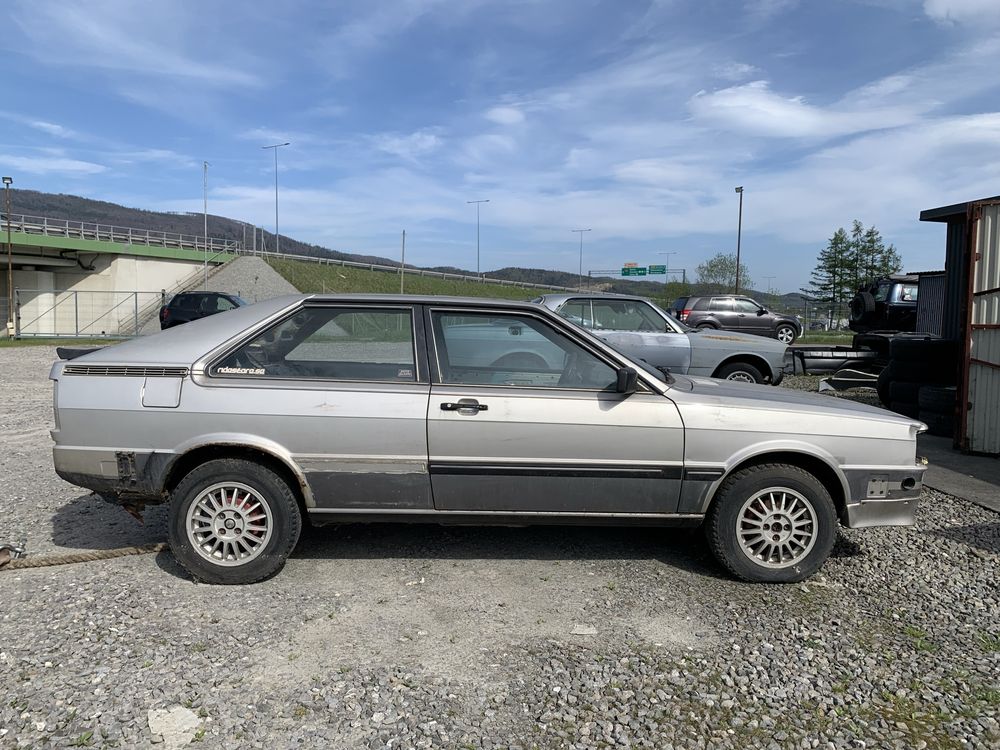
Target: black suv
<point>188,306</point>
<point>732,313</point>
<point>886,304</point>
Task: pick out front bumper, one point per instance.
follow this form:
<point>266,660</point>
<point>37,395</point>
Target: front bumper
<point>882,497</point>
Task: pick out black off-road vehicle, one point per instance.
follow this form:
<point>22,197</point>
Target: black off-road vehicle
<point>886,304</point>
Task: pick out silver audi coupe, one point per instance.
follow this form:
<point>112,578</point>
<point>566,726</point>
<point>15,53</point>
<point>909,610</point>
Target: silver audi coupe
<point>327,408</point>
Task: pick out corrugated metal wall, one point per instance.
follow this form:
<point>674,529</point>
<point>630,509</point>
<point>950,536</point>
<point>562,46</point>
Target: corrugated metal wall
<point>930,303</point>
<point>982,430</point>
<point>956,281</point>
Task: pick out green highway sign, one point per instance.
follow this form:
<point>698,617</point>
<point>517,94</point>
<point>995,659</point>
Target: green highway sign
<point>658,269</point>
<point>633,271</point>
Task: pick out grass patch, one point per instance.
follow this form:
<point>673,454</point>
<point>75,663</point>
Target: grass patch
<point>988,642</point>
<point>313,277</point>
<point>829,338</point>
<point>920,640</point>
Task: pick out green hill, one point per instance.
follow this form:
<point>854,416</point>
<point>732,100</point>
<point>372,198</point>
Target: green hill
<point>313,277</point>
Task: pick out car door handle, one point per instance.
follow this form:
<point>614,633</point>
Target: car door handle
<point>466,404</point>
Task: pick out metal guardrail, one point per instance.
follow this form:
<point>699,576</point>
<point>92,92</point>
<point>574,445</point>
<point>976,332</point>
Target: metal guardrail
<point>41,225</point>
<point>483,279</point>
<point>53,313</point>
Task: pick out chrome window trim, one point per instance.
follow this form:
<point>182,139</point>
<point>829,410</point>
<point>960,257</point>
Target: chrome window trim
<point>203,368</point>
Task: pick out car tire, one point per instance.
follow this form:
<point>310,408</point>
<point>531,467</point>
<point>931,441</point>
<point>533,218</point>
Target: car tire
<point>882,386</point>
<point>906,408</point>
<point>942,425</point>
<point>263,525</point>
<point>937,399</point>
<point>928,373</point>
<point>739,372</point>
<point>903,390</point>
<point>920,350</point>
<point>748,499</point>
<point>707,326</point>
<point>786,334</point>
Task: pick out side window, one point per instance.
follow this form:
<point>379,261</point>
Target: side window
<point>721,304</point>
<point>702,303</point>
<point>333,343</point>
<point>222,304</point>
<point>626,315</point>
<point>577,311</point>
<point>908,293</point>
<point>747,306</point>
<point>517,350</point>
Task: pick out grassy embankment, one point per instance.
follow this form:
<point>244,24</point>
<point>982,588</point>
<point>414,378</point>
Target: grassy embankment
<point>6,343</point>
<point>313,277</point>
<point>827,338</point>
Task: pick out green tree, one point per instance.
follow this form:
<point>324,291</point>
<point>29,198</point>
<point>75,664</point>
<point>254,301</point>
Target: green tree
<point>718,274</point>
<point>833,278</point>
<point>847,262</point>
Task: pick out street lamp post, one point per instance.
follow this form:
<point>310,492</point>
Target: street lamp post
<point>10,263</point>
<point>769,279</point>
<point>204,166</point>
<point>739,232</point>
<point>487,200</point>
<point>581,231</point>
<point>277,235</point>
<point>666,266</point>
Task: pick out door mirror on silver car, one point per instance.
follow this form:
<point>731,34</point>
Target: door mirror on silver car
<point>628,380</point>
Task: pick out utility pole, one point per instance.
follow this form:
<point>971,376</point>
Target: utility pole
<point>581,231</point>
<point>666,266</point>
<point>487,200</point>
<point>10,263</point>
<point>739,232</point>
<point>204,166</point>
<point>402,263</point>
<point>769,279</point>
<point>277,235</point>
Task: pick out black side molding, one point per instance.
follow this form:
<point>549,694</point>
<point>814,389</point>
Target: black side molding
<point>72,352</point>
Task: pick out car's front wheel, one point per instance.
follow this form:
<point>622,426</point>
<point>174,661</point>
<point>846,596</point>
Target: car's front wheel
<point>233,521</point>
<point>786,334</point>
<point>772,523</point>
<point>741,372</point>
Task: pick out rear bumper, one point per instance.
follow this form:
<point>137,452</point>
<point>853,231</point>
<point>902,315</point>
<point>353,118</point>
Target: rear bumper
<point>118,475</point>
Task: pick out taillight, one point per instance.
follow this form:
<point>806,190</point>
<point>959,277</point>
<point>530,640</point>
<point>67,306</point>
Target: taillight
<point>164,314</point>
<point>684,314</point>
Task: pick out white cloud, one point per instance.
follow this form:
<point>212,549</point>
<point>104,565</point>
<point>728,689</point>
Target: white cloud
<point>158,40</point>
<point>753,108</point>
<point>49,165</point>
<point>975,12</point>
<point>505,115</point>
<point>736,71</point>
<point>410,147</point>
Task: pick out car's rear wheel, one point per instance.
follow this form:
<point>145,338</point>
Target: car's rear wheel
<point>741,372</point>
<point>772,523</point>
<point>233,521</point>
<point>786,334</point>
<point>707,327</point>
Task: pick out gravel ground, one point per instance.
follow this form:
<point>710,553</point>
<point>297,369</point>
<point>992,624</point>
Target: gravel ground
<point>421,636</point>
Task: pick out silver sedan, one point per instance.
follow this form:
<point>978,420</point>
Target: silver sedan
<point>640,329</point>
<point>452,410</point>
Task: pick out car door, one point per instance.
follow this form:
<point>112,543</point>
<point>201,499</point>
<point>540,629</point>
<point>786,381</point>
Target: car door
<point>721,311</point>
<point>524,417</point>
<point>342,389</point>
<point>634,328</point>
<point>751,318</point>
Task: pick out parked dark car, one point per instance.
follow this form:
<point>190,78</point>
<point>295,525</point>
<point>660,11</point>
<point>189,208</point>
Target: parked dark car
<point>886,304</point>
<point>188,306</point>
<point>733,313</point>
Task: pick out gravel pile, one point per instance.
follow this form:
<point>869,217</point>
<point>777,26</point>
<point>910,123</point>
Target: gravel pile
<point>251,278</point>
<point>428,637</point>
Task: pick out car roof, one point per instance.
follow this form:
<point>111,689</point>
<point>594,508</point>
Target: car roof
<point>183,345</point>
<point>558,299</point>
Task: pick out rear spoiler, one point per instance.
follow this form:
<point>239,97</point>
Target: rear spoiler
<point>72,352</point>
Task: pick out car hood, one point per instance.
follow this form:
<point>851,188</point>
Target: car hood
<point>745,395</point>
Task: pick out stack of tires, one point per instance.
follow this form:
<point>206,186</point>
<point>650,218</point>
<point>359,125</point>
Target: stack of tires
<point>919,380</point>
<point>937,408</point>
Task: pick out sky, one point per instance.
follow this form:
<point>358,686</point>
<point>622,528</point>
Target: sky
<point>635,119</point>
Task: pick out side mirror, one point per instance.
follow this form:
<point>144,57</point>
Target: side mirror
<point>628,381</point>
<point>762,311</point>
